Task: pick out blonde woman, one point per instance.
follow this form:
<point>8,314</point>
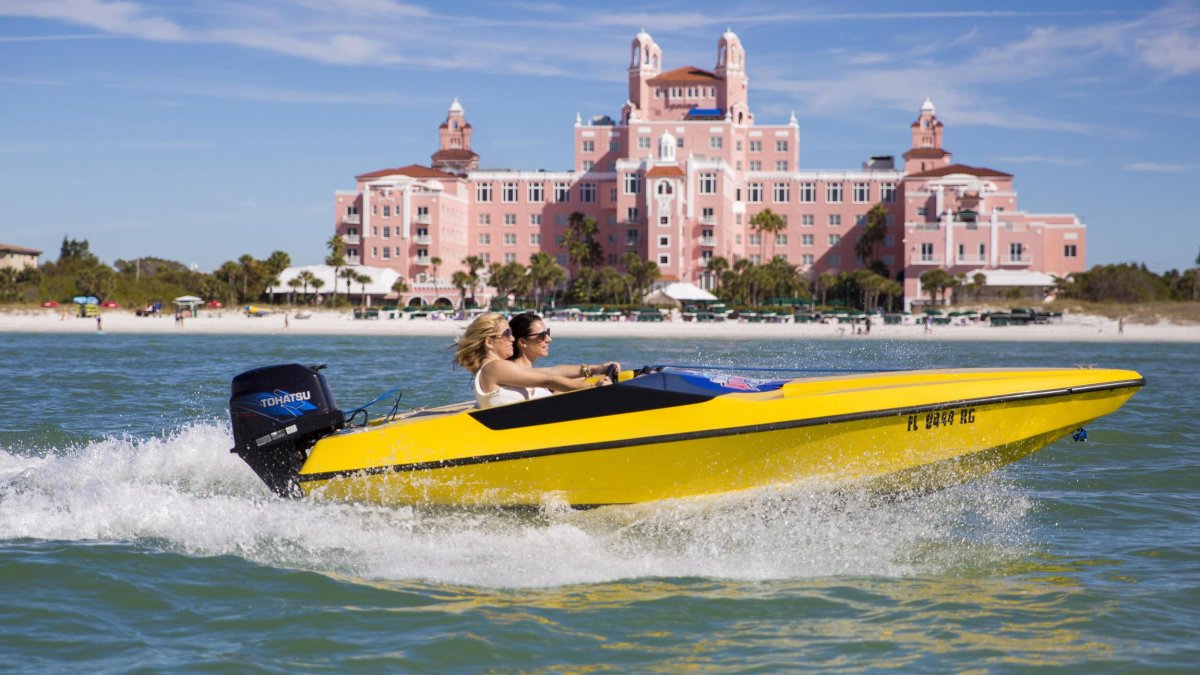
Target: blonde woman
<point>484,349</point>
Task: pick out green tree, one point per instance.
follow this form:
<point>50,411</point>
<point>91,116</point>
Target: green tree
<point>350,275</point>
<point>583,248</point>
<point>474,263</point>
<point>337,260</point>
<point>826,282</point>
<point>400,287</point>
<point>717,265</point>
<point>643,273</point>
<point>768,224</point>
<point>935,282</point>
<point>544,273</point>
<point>461,280</point>
<point>363,279</point>
<point>874,232</point>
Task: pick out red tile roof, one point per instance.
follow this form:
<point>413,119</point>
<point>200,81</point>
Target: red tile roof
<point>455,153</point>
<point>660,171</point>
<point>926,153</point>
<point>9,248</point>
<point>412,171</point>
<point>684,74</point>
<point>960,168</point>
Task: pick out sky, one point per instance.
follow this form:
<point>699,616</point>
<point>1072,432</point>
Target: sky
<point>202,131</point>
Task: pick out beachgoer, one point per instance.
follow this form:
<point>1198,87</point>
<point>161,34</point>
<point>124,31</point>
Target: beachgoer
<point>484,349</point>
<point>98,328</point>
<point>531,341</point>
<point>285,321</point>
<point>1121,325</point>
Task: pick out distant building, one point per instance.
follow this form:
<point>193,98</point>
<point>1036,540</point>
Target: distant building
<point>18,257</point>
<point>677,178</point>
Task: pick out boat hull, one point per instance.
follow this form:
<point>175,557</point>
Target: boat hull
<point>894,432</point>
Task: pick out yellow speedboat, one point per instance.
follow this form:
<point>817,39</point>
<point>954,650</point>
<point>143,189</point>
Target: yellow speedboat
<point>664,433</point>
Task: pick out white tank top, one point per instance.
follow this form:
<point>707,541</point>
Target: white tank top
<point>502,396</point>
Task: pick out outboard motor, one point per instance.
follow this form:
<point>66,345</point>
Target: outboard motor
<point>278,413</point>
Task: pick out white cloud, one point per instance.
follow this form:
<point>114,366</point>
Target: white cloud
<point>1041,159</point>
<point>125,18</point>
<point>1159,167</point>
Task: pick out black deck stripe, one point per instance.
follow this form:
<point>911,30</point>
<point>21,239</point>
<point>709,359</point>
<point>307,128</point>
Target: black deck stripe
<point>712,433</point>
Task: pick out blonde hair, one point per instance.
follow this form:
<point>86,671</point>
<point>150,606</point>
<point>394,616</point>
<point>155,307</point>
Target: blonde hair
<point>471,348</point>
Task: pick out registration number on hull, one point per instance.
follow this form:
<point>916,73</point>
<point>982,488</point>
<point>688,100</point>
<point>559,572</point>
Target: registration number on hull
<point>939,419</point>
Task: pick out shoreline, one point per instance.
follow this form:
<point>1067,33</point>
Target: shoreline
<point>1072,328</point>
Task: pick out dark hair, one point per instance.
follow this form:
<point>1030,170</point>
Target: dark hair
<point>521,326</point>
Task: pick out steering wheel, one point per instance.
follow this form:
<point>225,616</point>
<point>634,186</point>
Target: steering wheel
<point>611,372</point>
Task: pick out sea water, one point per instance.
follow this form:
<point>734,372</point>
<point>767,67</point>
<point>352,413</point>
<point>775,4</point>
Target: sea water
<point>131,539</point>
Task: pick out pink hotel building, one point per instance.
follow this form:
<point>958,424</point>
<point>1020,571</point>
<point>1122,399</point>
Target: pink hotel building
<point>676,180</point>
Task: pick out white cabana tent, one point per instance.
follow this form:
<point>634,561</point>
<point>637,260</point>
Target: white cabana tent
<point>677,293</point>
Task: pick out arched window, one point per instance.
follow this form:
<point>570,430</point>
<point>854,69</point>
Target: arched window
<point>664,187</point>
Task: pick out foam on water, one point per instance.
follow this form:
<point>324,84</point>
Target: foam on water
<point>185,492</point>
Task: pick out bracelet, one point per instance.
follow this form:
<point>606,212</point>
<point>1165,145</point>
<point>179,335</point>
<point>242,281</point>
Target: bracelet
<point>585,371</point>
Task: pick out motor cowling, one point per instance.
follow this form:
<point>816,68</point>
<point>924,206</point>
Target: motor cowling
<point>278,413</point>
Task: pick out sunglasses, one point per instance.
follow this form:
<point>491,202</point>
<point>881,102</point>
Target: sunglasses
<point>540,337</point>
<point>506,334</point>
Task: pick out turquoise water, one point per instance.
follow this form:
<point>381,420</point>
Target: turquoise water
<point>131,539</point>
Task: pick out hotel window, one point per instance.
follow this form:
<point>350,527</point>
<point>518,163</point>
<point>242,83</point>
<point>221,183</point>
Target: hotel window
<point>806,240</point>
<point>922,211</point>
<point>589,146</point>
<point>708,183</point>
<point>562,192</point>
<point>387,232</point>
<point>781,146</point>
<point>612,194</point>
<point>783,193</point>
<point>387,211</point>
<point>835,239</point>
<point>982,251</point>
<point>1015,251</point>
<point>631,236</point>
<point>612,219</point>
<point>754,240</point>
<point>537,193</point>
<point>644,142</point>
<point>705,256</point>
<point>633,184</point>
<point>587,192</point>
<point>535,219</point>
<point>755,192</point>
<point>560,219</point>
<point>422,213</point>
<point>860,219</point>
<point>781,165</point>
<point>708,215</point>
<point>664,260</point>
<point>510,239</point>
<point>715,142</point>
<point>387,253</point>
<point>483,192</point>
<point>756,258</point>
<point>664,241</point>
<point>755,146</point>
<point>485,239</point>
<point>422,232</point>
<point>588,165</point>
<point>510,258</point>
<point>486,258</point>
<point>887,193</point>
<point>614,146</point>
<point>352,252</point>
<point>962,252</point>
<point>631,215</point>
<point>510,219</point>
<point>706,235</point>
<point>1069,251</point>
<point>833,193</point>
<point>535,239</point>
<point>862,193</point>
<point>422,255</point>
<point>485,219</point>
<point>808,193</point>
<point>738,145</point>
<point>835,220</point>
<point>806,259</point>
<point>781,240</point>
<point>927,252</point>
<point>664,221</point>
<point>755,165</point>
<point>806,220</point>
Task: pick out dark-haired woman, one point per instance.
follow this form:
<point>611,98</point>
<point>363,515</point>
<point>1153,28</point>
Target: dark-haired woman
<point>531,341</point>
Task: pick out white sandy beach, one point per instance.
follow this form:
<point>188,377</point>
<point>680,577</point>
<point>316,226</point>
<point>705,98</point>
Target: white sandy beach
<point>1073,327</point>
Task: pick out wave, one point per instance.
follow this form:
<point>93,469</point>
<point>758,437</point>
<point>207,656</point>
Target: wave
<point>184,492</point>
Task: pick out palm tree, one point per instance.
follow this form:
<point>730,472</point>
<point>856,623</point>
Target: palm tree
<point>317,283</point>
<point>295,283</point>
<point>826,281</point>
<point>874,233</point>
<point>307,278</point>
<point>717,266</point>
<point>767,223</point>
<point>461,280</point>
<point>474,263</point>
<point>400,288</point>
<point>337,260</point>
<point>644,273</point>
<point>435,262</point>
<point>544,274</point>
<point>350,275</point>
<point>363,279</point>
<point>936,281</point>
<point>583,250</point>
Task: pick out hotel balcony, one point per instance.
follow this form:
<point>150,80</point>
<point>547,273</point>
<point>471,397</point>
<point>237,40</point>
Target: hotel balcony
<point>927,260</point>
<point>708,220</point>
<point>631,242</point>
<point>351,239</point>
<point>352,219</point>
<point>422,219</point>
<point>708,241</point>
<point>1021,261</point>
<point>422,239</point>
<point>422,261</point>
